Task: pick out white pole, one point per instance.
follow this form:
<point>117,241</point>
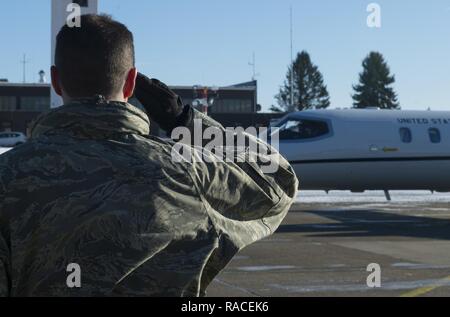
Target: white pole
<point>292,68</point>
<point>59,18</point>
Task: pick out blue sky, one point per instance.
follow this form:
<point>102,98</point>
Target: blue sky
<point>210,42</point>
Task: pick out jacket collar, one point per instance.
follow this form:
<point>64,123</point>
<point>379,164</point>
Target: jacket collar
<point>92,118</point>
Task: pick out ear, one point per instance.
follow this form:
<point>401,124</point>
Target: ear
<point>130,83</point>
<point>55,80</point>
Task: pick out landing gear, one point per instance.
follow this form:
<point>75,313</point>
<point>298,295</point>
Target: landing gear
<point>388,196</point>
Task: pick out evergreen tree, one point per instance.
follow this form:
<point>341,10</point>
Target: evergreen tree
<point>309,91</point>
<point>374,88</point>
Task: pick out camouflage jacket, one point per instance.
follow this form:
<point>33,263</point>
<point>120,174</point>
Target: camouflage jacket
<point>91,187</point>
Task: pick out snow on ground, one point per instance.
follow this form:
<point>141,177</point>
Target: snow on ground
<point>4,149</point>
<point>398,196</point>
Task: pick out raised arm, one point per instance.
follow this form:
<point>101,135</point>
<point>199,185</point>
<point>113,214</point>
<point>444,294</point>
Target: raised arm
<point>237,189</point>
<point>249,182</point>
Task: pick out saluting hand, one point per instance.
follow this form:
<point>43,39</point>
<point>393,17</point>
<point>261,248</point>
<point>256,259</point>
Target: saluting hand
<point>162,104</point>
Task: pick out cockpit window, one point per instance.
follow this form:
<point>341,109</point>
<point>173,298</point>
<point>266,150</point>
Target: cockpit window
<point>295,129</point>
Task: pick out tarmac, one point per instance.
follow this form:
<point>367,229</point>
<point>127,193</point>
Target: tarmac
<point>324,249</point>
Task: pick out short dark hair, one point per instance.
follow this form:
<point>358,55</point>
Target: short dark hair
<point>94,59</point>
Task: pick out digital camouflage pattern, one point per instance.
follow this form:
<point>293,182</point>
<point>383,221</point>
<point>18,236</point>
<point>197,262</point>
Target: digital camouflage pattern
<point>92,187</point>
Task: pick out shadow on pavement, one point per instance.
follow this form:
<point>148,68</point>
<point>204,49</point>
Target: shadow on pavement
<point>364,223</point>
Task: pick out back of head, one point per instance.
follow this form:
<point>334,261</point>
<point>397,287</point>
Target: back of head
<point>95,58</point>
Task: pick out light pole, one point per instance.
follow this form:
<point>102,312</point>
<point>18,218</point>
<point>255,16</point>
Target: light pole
<point>24,68</point>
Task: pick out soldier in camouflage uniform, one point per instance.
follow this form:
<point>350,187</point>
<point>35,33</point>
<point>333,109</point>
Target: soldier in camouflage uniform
<point>92,187</point>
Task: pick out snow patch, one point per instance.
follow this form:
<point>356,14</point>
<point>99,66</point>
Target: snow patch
<point>4,149</point>
<point>404,198</point>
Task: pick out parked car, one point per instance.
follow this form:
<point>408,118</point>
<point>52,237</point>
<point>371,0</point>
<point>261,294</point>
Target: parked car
<point>10,139</point>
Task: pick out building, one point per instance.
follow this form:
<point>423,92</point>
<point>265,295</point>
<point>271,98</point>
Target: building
<point>234,105</point>
<point>21,103</point>
<point>240,98</point>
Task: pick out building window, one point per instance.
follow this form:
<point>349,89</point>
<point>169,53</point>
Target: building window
<point>34,103</point>
<point>303,129</point>
<point>405,135</point>
<point>81,3</point>
<point>8,103</point>
<point>233,106</point>
<point>435,135</point>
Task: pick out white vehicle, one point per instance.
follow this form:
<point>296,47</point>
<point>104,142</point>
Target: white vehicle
<point>10,139</point>
<point>362,150</point>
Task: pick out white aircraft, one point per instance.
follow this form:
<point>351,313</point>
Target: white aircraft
<point>362,150</point>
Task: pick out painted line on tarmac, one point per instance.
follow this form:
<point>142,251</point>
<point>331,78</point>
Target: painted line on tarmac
<point>429,288</point>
